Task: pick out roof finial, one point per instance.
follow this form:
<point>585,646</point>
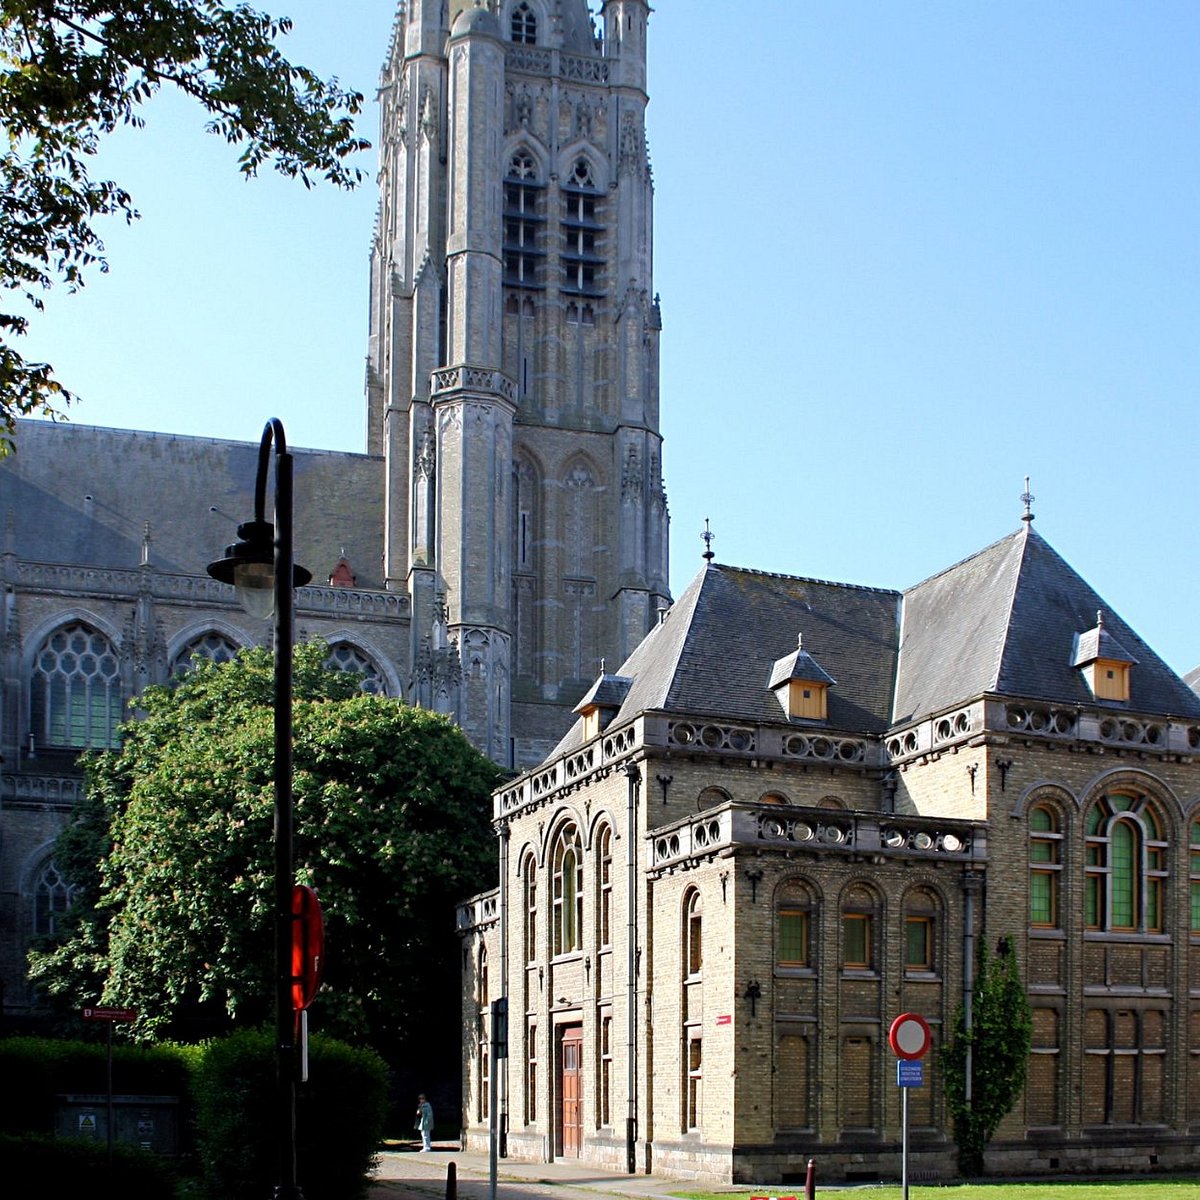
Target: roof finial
<point>1099,618</point>
<point>1027,500</point>
<point>602,666</point>
<point>799,641</point>
<point>707,537</point>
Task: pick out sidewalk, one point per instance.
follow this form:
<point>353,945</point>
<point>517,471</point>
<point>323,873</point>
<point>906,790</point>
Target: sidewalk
<point>410,1175</point>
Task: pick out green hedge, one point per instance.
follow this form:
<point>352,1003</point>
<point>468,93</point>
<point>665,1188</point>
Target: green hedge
<point>38,1070</point>
<point>340,1115</point>
<point>227,1110</point>
<point>67,1167</point>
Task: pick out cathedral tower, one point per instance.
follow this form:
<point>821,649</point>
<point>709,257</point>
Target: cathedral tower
<point>512,382</point>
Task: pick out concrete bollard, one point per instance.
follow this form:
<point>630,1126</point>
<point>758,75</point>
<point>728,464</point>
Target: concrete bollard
<point>451,1181</point>
<point>810,1181</point>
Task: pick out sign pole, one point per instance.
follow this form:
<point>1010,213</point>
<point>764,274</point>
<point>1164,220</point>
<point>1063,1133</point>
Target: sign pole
<point>910,1040</point>
<point>110,1096</point>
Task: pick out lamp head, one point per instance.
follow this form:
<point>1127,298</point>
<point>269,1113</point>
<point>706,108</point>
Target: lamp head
<point>249,565</point>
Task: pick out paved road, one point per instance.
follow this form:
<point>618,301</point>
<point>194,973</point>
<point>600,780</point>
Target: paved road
<point>409,1175</point>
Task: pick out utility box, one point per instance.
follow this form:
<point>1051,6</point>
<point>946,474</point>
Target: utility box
<point>149,1122</point>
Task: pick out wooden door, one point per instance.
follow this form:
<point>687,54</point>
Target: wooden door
<point>571,1090</point>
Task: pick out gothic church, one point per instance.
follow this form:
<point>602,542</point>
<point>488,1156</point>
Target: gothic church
<point>505,530</point>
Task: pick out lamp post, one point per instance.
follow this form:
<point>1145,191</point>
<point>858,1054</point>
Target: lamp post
<point>260,566</point>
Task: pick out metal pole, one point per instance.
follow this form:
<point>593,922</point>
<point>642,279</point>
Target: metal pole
<point>286,1188</point>
<point>110,1095</point>
<point>904,1143</point>
<point>631,964</point>
<point>493,1116</point>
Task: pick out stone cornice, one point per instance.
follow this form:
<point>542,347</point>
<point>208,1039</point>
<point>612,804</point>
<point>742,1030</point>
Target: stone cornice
<point>104,583</point>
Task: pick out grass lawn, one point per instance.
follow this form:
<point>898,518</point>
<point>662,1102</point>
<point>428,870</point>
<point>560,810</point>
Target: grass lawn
<point>1176,1188</point>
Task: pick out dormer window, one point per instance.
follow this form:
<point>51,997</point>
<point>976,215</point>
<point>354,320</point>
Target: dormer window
<point>1105,663</point>
<point>524,25</point>
<point>801,685</point>
<point>602,702</point>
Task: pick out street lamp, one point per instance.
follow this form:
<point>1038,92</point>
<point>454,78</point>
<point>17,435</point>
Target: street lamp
<point>260,566</point>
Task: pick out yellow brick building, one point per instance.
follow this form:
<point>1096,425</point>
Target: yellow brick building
<point>792,815</point>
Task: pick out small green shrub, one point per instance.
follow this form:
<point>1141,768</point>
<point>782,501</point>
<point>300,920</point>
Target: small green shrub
<point>69,1167</point>
<point>339,1118</point>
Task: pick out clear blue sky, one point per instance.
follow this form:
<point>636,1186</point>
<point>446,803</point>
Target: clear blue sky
<point>908,254</point>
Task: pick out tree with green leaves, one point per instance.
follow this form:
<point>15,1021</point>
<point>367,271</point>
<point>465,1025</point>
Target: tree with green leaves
<point>172,854</point>
<point>992,1054</point>
<point>72,71</point>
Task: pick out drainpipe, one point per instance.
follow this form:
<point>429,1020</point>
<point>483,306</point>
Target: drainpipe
<point>502,915</point>
<point>632,777</point>
<point>972,882</point>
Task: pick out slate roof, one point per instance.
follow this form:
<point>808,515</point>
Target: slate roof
<point>82,495</point>
<point>1005,621</point>
<point>714,651</point>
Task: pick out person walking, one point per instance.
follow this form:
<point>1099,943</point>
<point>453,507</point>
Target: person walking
<point>424,1122</point>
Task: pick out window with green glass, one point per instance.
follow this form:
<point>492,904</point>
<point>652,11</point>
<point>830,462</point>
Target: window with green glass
<point>1126,865</point>
<point>1122,874</point>
<point>1041,900</point>
<point>921,910</point>
<point>918,943</point>
<point>1045,841</point>
<point>856,940</point>
<point>793,937</point>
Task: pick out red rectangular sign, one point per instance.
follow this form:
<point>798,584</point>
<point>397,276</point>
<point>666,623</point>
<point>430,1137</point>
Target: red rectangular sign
<point>109,1014</point>
<point>725,1019</point>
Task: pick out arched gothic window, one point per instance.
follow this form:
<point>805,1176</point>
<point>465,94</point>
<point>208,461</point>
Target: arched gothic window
<point>1126,865</point>
<point>1045,866</point>
<point>582,261</point>
<point>76,689</point>
<point>693,1028</point>
<point>52,896</point>
<point>344,656</point>
<point>529,886</point>
<point>567,891</point>
<point>213,646</point>
<point>522,249</point>
<point>693,940</point>
<point>604,886</point>
<point>524,25</point>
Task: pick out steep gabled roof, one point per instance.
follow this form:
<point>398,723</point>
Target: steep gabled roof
<point>714,652</point>
<point>1005,621</point>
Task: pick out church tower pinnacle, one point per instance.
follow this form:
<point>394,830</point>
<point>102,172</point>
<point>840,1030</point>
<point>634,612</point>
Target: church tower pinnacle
<point>512,379</point>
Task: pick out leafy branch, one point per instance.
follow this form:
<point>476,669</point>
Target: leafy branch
<point>72,71</point>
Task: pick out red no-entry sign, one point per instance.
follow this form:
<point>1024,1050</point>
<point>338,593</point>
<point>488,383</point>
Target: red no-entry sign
<point>909,1036</point>
<point>308,946</point>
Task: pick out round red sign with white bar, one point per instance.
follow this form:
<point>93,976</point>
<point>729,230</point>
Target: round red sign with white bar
<point>909,1036</point>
